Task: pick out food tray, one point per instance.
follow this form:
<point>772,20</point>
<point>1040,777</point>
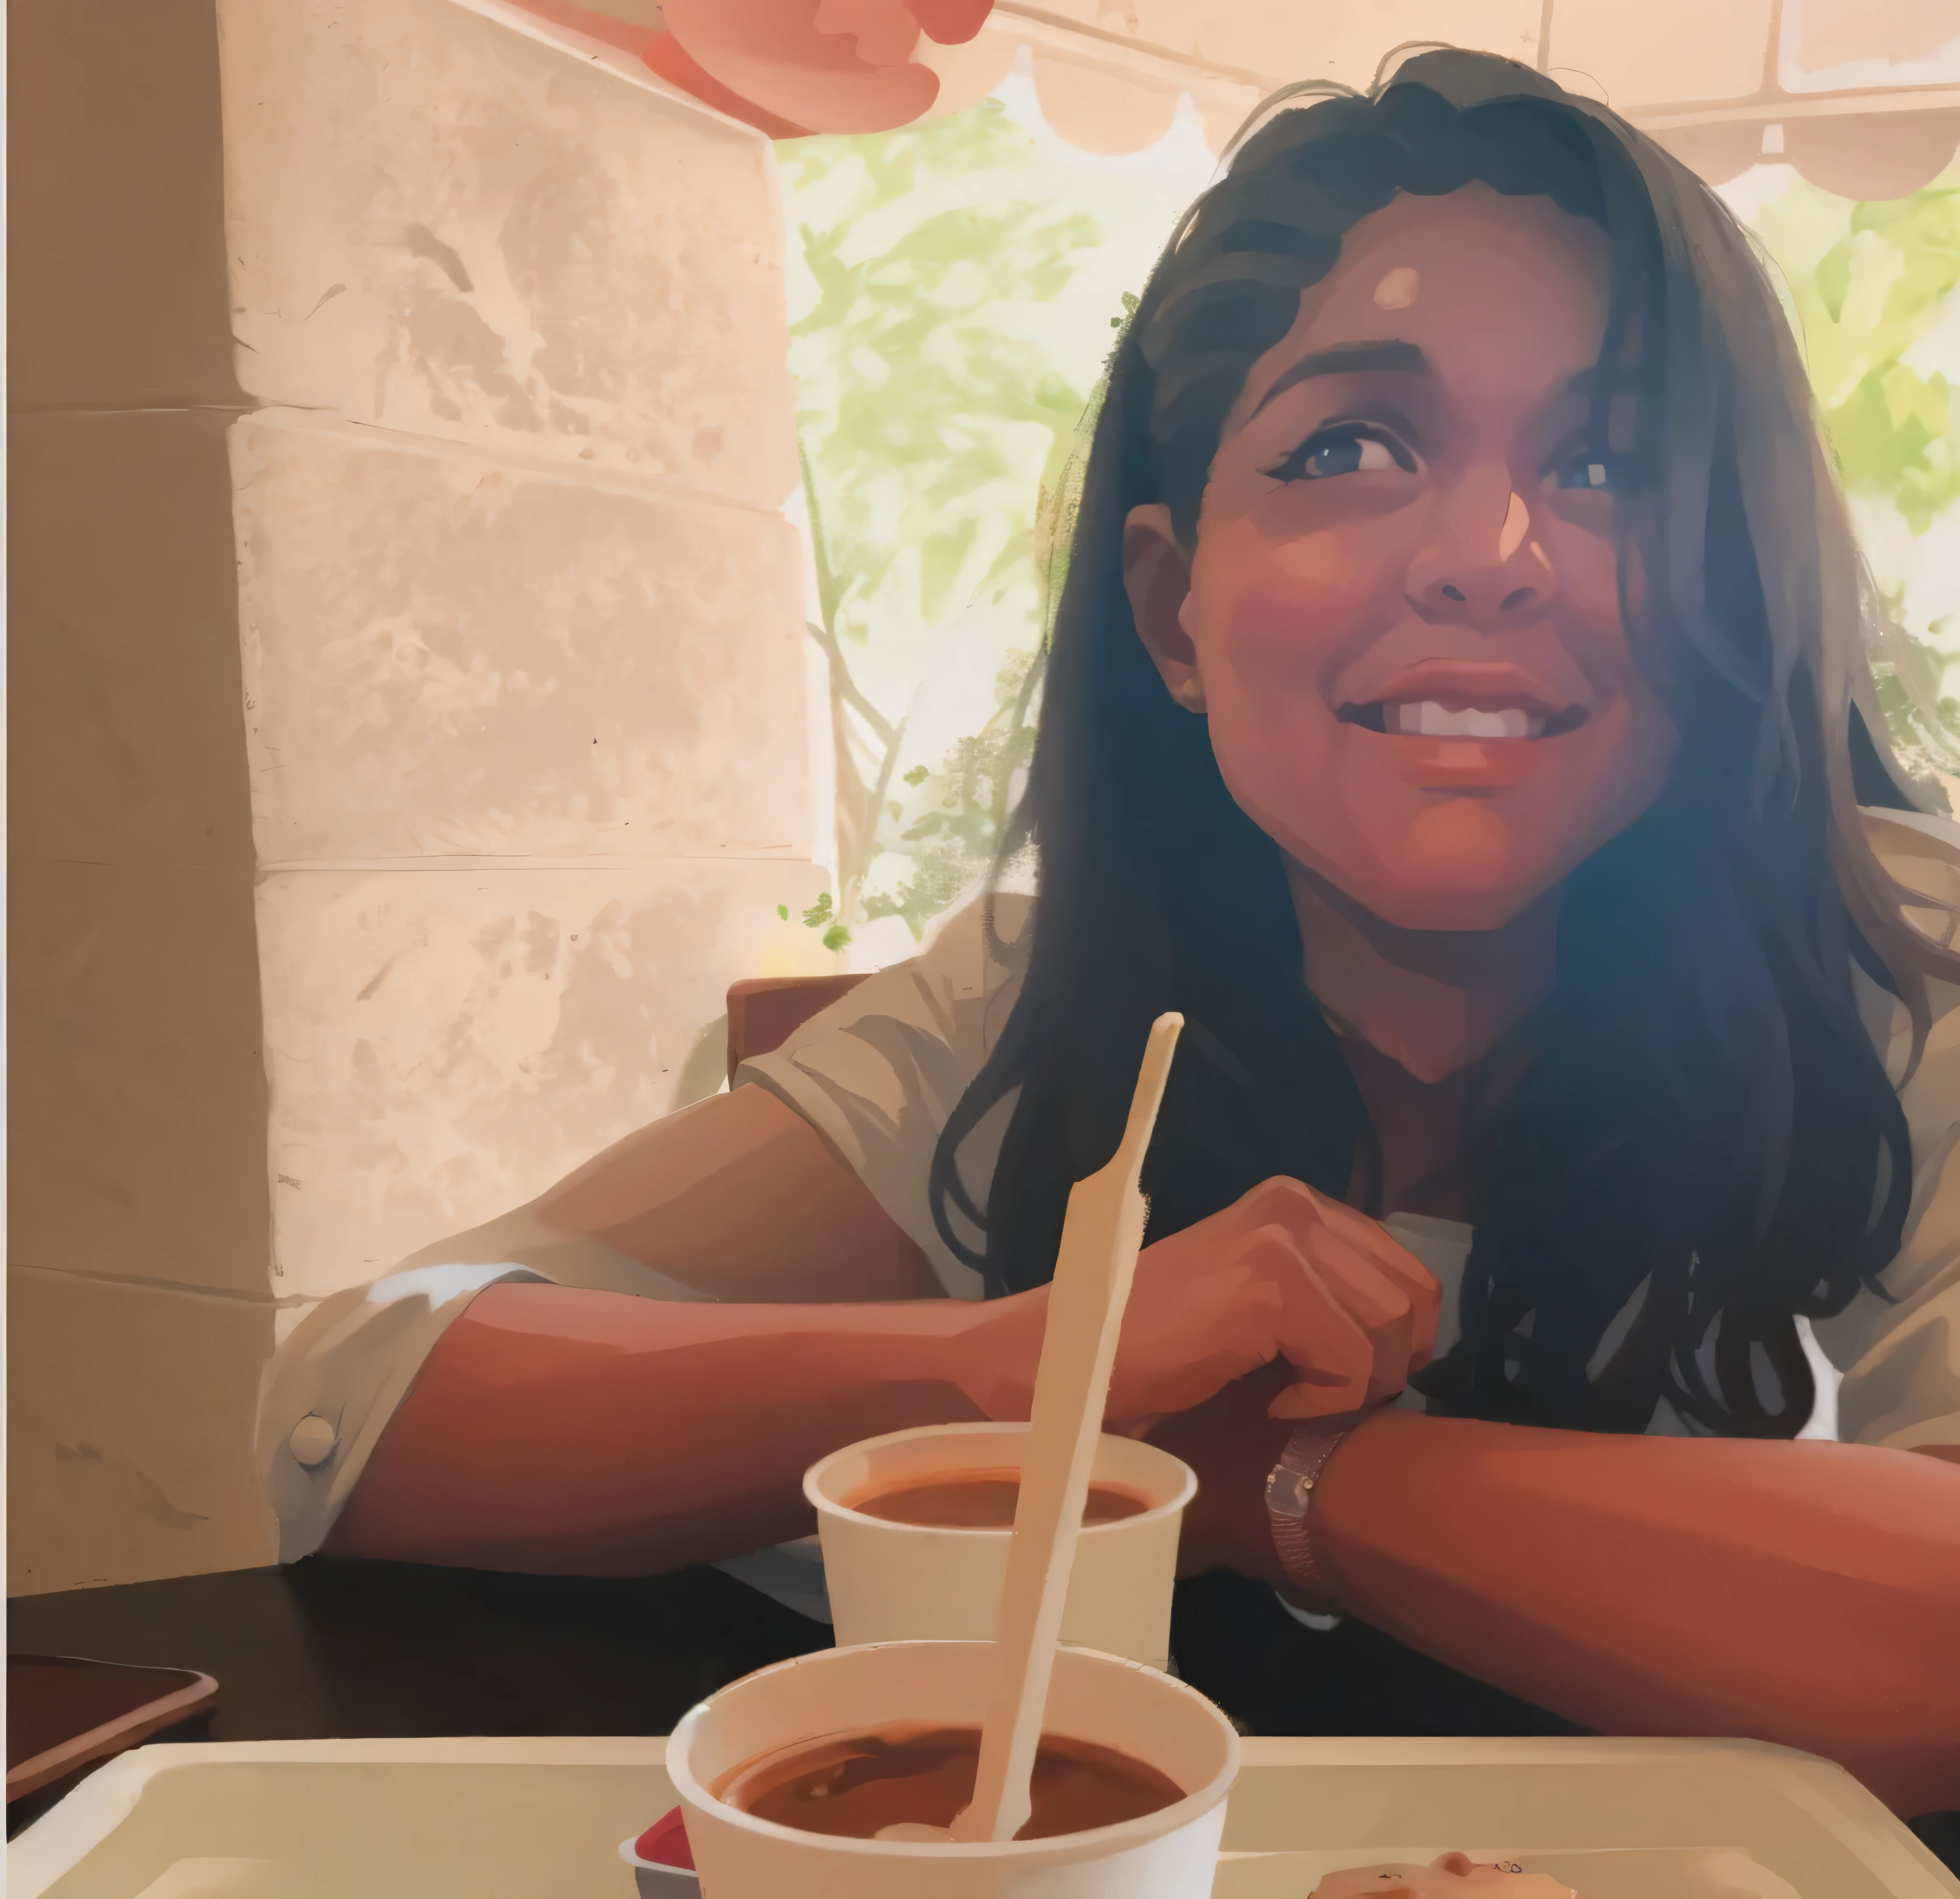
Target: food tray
<point>496,1819</point>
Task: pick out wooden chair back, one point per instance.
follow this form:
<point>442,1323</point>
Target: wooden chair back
<point>764,1011</point>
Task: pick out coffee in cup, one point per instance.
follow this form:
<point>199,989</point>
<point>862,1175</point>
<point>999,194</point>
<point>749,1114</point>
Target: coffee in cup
<point>901,1562</point>
<point>747,1763</point>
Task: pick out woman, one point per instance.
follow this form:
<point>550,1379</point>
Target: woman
<point>1460,612</point>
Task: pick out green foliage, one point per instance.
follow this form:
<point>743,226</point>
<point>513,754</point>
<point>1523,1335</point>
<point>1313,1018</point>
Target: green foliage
<point>935,428</point>
<point>1878,287</point>
<point>1872,285</point>
<point>964,806</point>
<point>914,399</point>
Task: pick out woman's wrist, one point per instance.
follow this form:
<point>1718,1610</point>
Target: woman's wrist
<point>1231,1445</point>
<point>992,1350</point>
<point>1292,1493</point>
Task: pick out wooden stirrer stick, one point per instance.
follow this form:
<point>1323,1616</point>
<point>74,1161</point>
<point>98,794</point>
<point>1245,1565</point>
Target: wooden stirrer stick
<point>1100,1238</point>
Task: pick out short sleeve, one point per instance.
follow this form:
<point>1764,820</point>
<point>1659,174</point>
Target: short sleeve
<point>878,1073</point>
<point>1901,1359</point>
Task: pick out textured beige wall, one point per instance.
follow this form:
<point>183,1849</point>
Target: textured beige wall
<point>410,724</point>
<point>443,227</point>
<point>522,621</point>
<point>139,1308</point>
<point>447,654</point>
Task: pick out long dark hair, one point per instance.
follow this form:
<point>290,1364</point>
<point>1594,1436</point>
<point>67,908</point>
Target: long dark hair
<point>1701,1112</point>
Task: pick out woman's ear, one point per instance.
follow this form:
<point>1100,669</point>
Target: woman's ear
<point>1156,576</point>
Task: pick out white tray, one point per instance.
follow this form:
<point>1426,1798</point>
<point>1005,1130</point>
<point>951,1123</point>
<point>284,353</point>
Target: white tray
<point>496,1819</point>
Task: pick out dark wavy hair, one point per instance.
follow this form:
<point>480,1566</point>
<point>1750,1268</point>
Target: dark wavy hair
<point>1701,1112</point>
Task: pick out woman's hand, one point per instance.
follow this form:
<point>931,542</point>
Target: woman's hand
<point>1284,1273</point>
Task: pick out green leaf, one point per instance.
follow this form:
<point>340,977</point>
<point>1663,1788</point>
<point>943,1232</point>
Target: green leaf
<point>939,562</point>
<point>783,910</point>
<point>836,936</point>
<point>818,914</point>
<point>917,775</point>
<point>1833,280</point>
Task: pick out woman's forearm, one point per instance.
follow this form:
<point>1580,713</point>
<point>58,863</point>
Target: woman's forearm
<point>1804,1593</point>
<point>556,1430</point>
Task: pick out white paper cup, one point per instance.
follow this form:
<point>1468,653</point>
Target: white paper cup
<point>911,1581</point>
<point>1171,1854</point>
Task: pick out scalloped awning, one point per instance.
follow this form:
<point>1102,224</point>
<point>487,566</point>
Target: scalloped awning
<point>1862,96</point>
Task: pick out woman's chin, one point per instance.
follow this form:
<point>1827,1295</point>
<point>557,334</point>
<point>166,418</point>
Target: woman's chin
<point>1458,866</point>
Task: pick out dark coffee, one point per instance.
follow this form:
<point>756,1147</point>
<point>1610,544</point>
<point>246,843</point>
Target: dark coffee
<point>982,1500</point>
<point>855,1784</point>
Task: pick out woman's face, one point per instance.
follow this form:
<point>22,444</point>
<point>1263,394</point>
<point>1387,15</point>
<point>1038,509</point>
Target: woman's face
<point>1402,614</point>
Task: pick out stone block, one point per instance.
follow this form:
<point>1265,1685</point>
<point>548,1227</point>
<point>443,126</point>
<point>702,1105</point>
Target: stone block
<point>129,1433</point>
<point>1663,52</point>
<point>126,728</point>
<point>1330,39</point>
<point>445,655</point>
<point>116,291</point>
<point>443,1045</point>
<point>136,1087</point>
<point>440,224</point>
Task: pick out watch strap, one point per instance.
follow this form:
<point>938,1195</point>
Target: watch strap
<point>1289,1489</point>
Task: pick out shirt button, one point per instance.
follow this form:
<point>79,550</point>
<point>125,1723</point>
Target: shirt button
<point>313,1441</point>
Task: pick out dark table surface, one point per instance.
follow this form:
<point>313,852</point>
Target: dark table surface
<point>363,1649</point>
<point>346,1649</point>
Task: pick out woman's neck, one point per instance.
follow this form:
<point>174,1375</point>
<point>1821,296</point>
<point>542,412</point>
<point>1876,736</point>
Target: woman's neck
<point>1417,1010</point>
<point>1433,1001</point>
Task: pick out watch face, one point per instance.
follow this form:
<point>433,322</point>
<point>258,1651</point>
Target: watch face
<point>1287,1492</point>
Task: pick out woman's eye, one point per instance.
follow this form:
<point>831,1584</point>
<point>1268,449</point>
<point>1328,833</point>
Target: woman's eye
<point>1605,473</point>
<point>1343,451</point>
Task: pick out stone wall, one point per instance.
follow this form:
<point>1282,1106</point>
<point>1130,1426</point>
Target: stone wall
<point>410,719</point>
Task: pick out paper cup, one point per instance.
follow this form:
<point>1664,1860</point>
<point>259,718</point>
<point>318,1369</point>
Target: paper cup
<point>911,1581</point>
<point>1171,1854</point>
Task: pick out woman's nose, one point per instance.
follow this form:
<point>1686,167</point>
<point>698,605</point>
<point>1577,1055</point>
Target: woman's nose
<point>1482,563</point>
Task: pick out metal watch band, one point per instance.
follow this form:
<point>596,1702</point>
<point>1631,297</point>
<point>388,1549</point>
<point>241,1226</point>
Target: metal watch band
<point>1290,1495</point>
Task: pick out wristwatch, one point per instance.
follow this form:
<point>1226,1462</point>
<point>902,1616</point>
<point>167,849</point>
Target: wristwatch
<point>1289,1496</point>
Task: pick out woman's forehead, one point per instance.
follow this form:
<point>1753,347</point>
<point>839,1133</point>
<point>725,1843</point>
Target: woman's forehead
<point>1474,279</point>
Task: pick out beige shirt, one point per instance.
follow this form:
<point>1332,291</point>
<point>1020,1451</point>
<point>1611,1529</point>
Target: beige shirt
<point>877,1073</point>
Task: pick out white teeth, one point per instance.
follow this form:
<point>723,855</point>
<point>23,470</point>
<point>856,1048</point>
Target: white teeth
<point>1426,718</point>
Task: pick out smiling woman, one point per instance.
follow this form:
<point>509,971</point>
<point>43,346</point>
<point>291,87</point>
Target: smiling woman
<point>1457,709</point>
<point>1523,617</point>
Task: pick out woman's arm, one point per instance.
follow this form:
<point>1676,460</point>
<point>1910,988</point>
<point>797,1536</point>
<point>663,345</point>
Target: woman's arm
<point>735,1197</point>
<point>559,1428</point>
<point>1802,1592</point>
<point>555,1430</point>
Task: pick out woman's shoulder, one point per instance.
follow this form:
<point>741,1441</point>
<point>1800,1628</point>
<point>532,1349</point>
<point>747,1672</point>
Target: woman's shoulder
<point>877,1073</point>
<point>903,1044</point>
<point>1921,849</point>
<point>974,954</point>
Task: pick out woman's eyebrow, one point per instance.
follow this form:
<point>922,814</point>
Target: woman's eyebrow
<point>1345,359</point>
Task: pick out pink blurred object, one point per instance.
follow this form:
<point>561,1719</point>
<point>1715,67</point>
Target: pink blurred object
<point>665,1841</point>
<point>826,66</point>
<point>790,68</point>
<point>662,1860</point>
<point>951,22</point>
